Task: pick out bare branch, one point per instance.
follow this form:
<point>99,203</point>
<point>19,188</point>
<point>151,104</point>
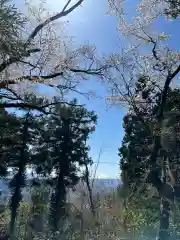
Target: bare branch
<point>72,88</point>
<point>22,106</point>
<point>87,180</point>
<point>66,5</point>
<point>61,102</point>
<point>159,117</point>
<point>8,97</point>
<point>36,78</point>
<point>12,60</point>
<point>31,106</point>
<point>150,40</point>
<point>28,63</point>
<point>165,90</point>
<point>97,164</point>
<point>14,93</point>
<point>63,13</point>
<point>34,33</point>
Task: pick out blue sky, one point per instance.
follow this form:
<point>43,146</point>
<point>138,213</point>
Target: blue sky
<point>90,23</point>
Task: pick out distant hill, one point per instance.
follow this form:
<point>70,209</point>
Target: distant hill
<point>99,185</point>
<point>106,183</point>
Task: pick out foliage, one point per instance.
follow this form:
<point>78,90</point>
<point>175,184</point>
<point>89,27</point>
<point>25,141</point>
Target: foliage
<point>64,151</point>
<point>35,55</point>
<point>38,210</point>
<point>151,56</point>
<point>137,142</point>
<point>11,26</point>
<point>55,148</point>
<point>110,214</point>
<point>54,145</point>
<point>174,8</point>
<point>134,160</point>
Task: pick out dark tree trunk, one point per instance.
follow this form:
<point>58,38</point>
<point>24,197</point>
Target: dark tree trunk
<point>39,200</point>
<point>89,191</point>
<point>18,181</point>
<point>166,202</point>
<point>58,200</point>
<point>164,220</point>
<point>16,198</point>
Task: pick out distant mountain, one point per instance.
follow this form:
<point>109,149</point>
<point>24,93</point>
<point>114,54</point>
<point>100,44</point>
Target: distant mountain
<point>107,183</point>
<point>5,192</point>
<point>99,185</point>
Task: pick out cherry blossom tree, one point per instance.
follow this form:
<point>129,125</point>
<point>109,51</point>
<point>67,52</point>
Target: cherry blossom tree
<point>151,57</point>
<point>40,54</point>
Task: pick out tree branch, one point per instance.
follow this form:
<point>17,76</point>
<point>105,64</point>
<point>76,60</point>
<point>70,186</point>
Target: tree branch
<point>159,116</point>
<point>31,106</point>
<point>12,60</point>
<point>63,13</point>
<point>22,106</point>
<point>154,43</point>
<point>66,5</point>
<point>34,78</point>
<point>28,63</point>
<point>34,33</point>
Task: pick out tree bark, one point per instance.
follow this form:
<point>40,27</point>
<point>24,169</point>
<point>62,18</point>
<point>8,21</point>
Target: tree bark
<point>58,200</point>
<point>166,203</point>
<point>164,220</point>
<point>19,181</point>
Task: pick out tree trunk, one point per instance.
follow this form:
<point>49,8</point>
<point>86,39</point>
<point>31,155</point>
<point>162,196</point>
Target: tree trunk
<point>18,181</point>
<point>39,201</point>
<point>58,200</point>
<point>92,207</point>
<point>164,220</point>
<point>16,198</point>
<point>166,202</point>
